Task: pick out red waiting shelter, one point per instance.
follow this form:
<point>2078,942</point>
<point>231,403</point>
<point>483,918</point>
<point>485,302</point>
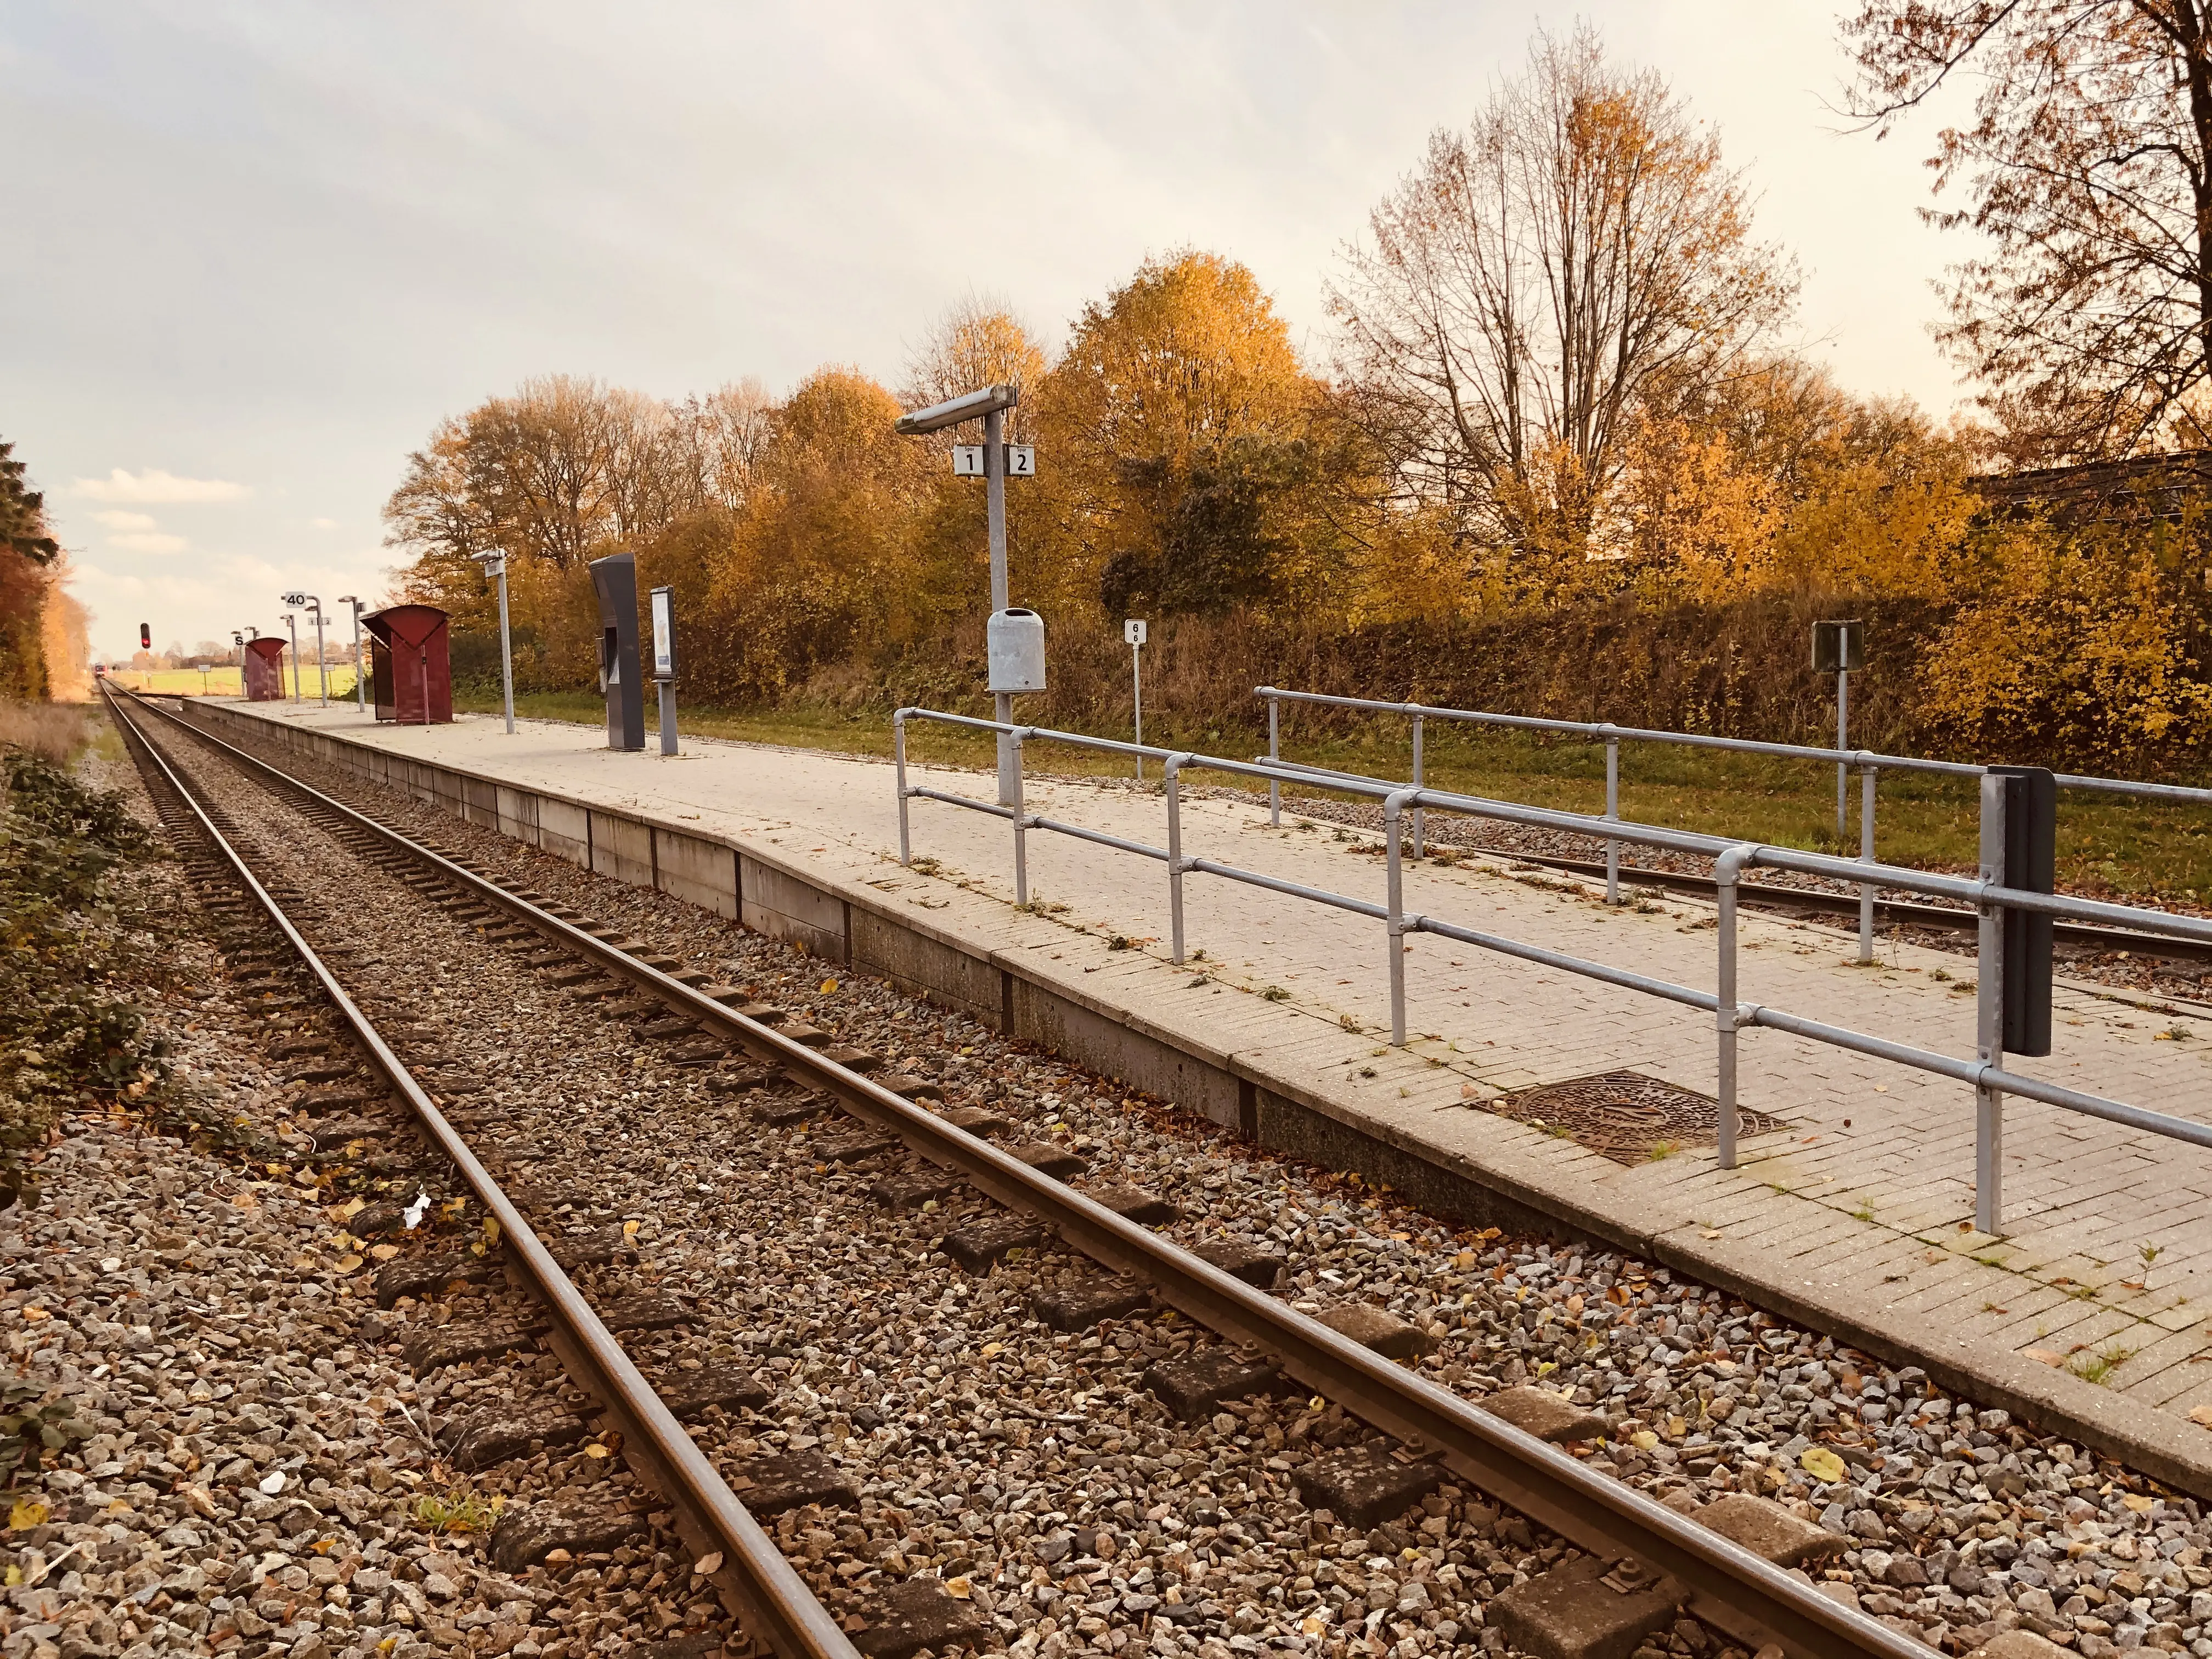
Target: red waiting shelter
<point>411,677</point>
<point>263,663</point>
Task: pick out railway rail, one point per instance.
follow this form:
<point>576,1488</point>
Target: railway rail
<point>1728,1586</point>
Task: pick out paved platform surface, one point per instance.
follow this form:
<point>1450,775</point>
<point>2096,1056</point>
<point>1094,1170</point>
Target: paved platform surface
<point>1856,1216</point>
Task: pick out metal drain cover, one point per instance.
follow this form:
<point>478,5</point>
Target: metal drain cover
<point>1626,1116</point>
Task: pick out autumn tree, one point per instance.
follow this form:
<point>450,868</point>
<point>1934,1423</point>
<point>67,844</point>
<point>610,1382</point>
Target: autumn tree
<point>1576,257</point>
<point>1182,445</point>
<point>978,342</point>
<point>27,553</point>
<point>2086,170</point>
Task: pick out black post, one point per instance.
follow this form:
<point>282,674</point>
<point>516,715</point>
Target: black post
<point>615,580</point>
<point>2031,864</point>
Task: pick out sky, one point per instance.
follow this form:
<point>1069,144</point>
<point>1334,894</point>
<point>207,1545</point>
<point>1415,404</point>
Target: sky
<point>256,251</point>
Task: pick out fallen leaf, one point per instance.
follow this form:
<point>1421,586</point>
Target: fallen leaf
<point>384,1252</point>
<point>991,1349</point>
<point>707,1566</point>
<point>958,1588</point>
<point>352,1207</point>
<point>31,1316</point>
<point>2201,1415</point>
<point>347,1263</point>
<point>1644,1440</point>
<point>828,984</point>
<point>595,1451</point>
<point>2043,1356</point>
<point>27,1512</point>
<point>1822,1464</point>
<point>2138,1503</point>
<point>629,1230</point>
<point>1714,1234</point>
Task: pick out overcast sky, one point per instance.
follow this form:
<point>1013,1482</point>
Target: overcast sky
<point>254,251</point>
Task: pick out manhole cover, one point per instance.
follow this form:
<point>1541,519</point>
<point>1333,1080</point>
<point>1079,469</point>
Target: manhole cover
<point>1628,1117</point>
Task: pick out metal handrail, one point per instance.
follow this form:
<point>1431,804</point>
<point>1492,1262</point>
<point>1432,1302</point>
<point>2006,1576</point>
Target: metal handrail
<point>1732,857</point>
<point>1867,762</point>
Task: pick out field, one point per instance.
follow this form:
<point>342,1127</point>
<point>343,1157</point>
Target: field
<point>225,681</point>
<point>2107,847</point>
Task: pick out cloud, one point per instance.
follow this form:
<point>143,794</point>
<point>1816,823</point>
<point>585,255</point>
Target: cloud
<point>115,521</point>
<point>142,542</point>
<point>323,523</point>
<point>154,486</point>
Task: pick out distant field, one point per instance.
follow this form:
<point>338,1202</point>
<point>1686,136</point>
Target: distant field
<point>225,681</point>
<point>2106,846</point>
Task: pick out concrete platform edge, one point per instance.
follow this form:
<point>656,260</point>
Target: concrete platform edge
<point>1007,986</point>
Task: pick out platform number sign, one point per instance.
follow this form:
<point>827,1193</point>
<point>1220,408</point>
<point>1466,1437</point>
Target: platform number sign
<point>968,460</point>
<point>1132,631</point>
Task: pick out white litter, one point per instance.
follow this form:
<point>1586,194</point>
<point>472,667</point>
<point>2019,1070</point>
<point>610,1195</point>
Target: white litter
<point>414,1213</point>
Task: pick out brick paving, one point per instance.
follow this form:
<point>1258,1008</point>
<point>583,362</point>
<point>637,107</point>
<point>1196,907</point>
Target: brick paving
<point>1861,1207</point>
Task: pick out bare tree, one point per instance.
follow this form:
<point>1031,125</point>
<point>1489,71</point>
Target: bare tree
<point>2085,169</point>
<point>978,342</point>
<point>1578,253</point>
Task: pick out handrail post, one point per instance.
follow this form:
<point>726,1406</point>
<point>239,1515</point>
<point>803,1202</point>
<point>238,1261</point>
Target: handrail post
<point>1728,1017</point>
<point>1274,754</point>
<point>1867,776</point>
<point>1613,811</point>
<point>1013,751</point>
<point>898,764</point>
<point>1393,811</point>
<point>1418,826</point>
<point>1172,772</point>
<point>1988,1018</point>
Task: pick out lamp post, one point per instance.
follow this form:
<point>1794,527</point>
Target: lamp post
<point>292,622</point>
<point>359,694</point>
<point>495,565</point>
<point>989,404</point>
<point>313,606</point>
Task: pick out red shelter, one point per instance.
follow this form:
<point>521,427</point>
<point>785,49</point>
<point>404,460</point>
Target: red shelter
<point>263,663</point>
<point>411,674</point>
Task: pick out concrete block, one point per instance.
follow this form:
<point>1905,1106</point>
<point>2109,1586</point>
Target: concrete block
<point>1371,1327</point>
<point>1365,1486</point>
<point>698,872</point>
<point>479,801</point>
<point>981,1245</point>
<point>1060,1023</point>
<point>564,831</point>
<point>769,1486</point>
<point>622,848</point>
<point>917,1614</point>
<point>1079,1306</point>
<point>1195,1383</point>
<point>1766,1528</point>
<point>1587,1609</point>
<point>518,815</point>
<point>784,907</point>
<point>964,980</point>
<point>1545,1414</point>
<point>587,1523</point>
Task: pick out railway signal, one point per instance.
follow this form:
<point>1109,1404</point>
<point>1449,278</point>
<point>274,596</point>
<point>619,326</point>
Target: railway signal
<point>145,637</point>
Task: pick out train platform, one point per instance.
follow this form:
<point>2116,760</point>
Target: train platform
<point>1852,1212</point>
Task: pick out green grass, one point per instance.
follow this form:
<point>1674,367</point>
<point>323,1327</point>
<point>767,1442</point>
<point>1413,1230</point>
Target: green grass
<point>225,681</point>
<point>2108,846</point>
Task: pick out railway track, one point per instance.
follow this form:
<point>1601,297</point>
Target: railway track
<point>858,1135</point>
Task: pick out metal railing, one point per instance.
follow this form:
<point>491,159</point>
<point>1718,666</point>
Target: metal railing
<point>1868,764</point>
<point>1985,1073</point>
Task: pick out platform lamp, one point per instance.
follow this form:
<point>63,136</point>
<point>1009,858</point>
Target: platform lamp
<point>292,622</point>
<point>990,460</point>
<point>360,681</point>
<point>495,566</point>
